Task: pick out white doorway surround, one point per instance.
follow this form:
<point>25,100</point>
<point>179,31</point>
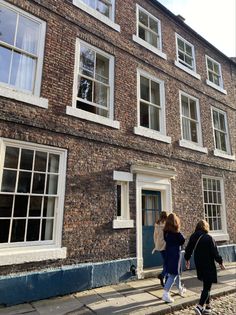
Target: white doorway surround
<point>150,177</point>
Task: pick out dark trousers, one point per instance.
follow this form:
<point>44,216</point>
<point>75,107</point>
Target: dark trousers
<point>205,296</point>
<point>163,255</point>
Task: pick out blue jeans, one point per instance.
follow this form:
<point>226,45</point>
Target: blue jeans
<point>163,255</point>
<point>172,279</point>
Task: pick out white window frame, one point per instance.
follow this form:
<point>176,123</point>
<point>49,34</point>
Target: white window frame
<point>219,87</point>
<point>97,15</point>
<point>12,92</point>
<point>123,221</point>
<point>197,146</point>
<point>73,111</point>
<point>147,132</point>
<point>180,63</point>
<point>217,152</point>
<point>218,235</point>
<point>140,41</point>
<point>29,252</point>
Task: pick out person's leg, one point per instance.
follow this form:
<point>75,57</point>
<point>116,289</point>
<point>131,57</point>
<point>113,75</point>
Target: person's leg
<point>166,295</point>
<point>162,275</point>
<point>179,285</point>
<point>204,298</point>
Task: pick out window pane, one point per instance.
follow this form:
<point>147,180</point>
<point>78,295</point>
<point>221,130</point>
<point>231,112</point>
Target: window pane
<point>26,159</point>
<point>217,139</point>
<point>210,64</point>
<point>33,230</point>
<point>27,35</point>
<point>53,165</point>
<point>49,207</point>
<point>154,118</point>
<point>152,39</point>
<point>216,68</point>
<point>18,230</point>
<point>52,181</point>
<point>5,60</point>
<point>216,119</point>
<point>8,25</point>
<point>85,87</point>
<point>38,183</point>
<point>144,116</point>
<point>23,72</point>
<point>193,109</point>
<point>193,127</point>
<point>6,205</point>
<point>103,8</point>
<point>35,206</point>
<point>47,229</point>
<point>180,44</point>
<point>90,3</point>
<point>185,109</point>
<point>11,157</point>
<point>223,142</point>
<point>189,61</point>
<point>118,200</point>
<point>101,94</point>
<point>222,122</point>
<point>144,87</point>
<point>4,230</point>
<point>8,181</point>
<point>20,207</point>
<point>102,69</point>
<point>188,50</point>
<point>155,93</point>
<point>24,182</point>
<point>153,25</point>
<point>40,163</point>
<point>141,32</point>
<point>143,18</point>
<point>186,129</point>
<point>87,59</point>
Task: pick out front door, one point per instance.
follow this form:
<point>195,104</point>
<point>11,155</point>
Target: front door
<point>151,208</point>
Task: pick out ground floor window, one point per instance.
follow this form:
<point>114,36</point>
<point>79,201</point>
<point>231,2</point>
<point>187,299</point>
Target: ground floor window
<point>32,180</point>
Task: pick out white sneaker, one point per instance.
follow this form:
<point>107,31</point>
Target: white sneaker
<point>166,297</point>
<point>182,291</point>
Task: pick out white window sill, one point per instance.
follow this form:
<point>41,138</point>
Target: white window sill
<point>219,236</point>
<point>216,87</point>
<point>224,155</point>
<point>92,117</point>
<point>186,69</point>
<point>192,146</point>
<point>123,224</point>
<point>97,15</point>
<point>145,132</point>
<point>31,254</point>
<point>23,97</point>
<point>149,47</point>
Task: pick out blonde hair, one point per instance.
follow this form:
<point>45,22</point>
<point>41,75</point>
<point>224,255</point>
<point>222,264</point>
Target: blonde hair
<point>172,223</point>
<point>163,217</point>
<point>202,225</point>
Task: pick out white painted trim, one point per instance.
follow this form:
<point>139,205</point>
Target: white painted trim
<point>192,146</point>
<point>23,97</point>
<point>186,69</point>
<point>97,15</point>
<point>40,52</point>
<point>224,155</point>
<point>31,254</point>
<point>148,180</point>
<point>76,112</point>
<point>148,133</point>
<point>149,47</point>
<point>219,236</point>
<point>216,87</point>
<point>156,171</point>
<point>122,176</point>
<point>123,224</point>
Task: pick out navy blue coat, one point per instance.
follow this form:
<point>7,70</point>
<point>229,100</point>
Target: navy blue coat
<point>205,255</point>
<point>174,241</point>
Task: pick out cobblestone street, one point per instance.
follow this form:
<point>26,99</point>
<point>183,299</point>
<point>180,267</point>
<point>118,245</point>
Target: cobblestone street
<point>224,305</point>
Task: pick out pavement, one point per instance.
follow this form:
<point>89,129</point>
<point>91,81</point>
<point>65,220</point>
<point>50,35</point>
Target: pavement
<point>139,297</point>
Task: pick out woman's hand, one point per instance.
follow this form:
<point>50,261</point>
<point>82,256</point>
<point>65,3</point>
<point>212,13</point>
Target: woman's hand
<point>222,266</point>
<point>187,264</point>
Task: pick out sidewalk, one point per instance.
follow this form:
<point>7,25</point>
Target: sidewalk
<point>139,297</point>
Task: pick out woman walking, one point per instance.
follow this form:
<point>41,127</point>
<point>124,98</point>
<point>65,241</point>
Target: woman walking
<point>205,255</point>
<point>160,244</point>
<point>174,240</point>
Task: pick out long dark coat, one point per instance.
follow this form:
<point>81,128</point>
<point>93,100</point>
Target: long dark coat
<point>174,241</point>
<point>205,255</point>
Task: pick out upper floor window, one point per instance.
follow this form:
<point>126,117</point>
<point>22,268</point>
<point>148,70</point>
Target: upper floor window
<point>103,10</point>
<point>21,49</point>
<point>31,194</point>
<point>185,53</point>
<point>148,31</point>
<point>214,74</point>
<point>151,103</point>
<point>93,85</point>
<point>214,209</point>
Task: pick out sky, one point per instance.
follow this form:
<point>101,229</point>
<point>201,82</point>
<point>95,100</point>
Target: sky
<point>215,20</point>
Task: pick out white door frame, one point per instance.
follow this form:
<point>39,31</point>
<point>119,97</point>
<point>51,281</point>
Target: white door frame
<point>150,178</point>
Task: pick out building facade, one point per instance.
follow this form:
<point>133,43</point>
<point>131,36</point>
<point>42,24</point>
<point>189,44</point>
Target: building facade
<point>109,113</point>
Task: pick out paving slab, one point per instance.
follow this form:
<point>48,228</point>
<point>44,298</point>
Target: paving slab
<point>17,309</point>
<point>57,306</point>
<point>88,297</point>
<point>82,311</point>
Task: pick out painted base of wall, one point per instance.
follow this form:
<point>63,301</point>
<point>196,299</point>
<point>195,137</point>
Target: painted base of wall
<point>16,289</point>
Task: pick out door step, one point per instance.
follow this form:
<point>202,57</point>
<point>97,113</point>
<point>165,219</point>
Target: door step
<point>151,272</point>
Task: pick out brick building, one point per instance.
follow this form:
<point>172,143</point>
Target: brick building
<point>110,111</point>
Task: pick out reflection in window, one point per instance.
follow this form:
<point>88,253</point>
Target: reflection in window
<point>220,131</point>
